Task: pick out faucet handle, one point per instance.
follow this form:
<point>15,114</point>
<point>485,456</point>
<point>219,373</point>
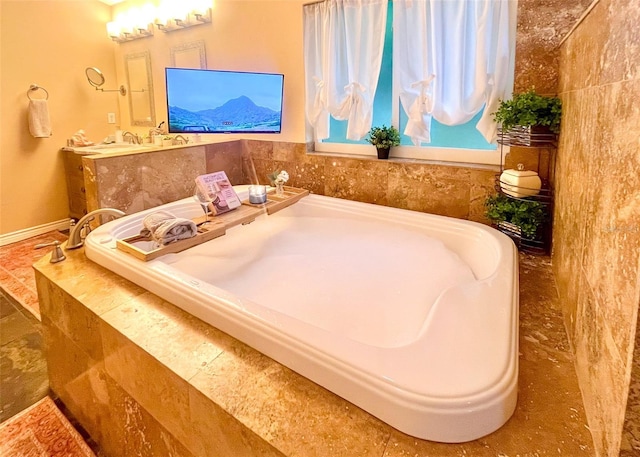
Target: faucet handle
<point>56,254</point>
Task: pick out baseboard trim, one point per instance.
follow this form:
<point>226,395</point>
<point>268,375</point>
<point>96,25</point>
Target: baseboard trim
<point>23,234</point>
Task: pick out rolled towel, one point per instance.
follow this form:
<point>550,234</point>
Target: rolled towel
<point>39,121</point>
<point>164,228</point>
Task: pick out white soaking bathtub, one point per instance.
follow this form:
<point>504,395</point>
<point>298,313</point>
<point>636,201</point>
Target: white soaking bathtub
<point>410,316</point>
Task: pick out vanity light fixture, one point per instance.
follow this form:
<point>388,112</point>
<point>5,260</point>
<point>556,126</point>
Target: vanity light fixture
<point>137,22</point>
<point>183,21</point>
<point>120,35</point>
<point>133,24</point>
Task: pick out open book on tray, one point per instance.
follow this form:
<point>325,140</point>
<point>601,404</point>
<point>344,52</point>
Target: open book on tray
<point>218,192</point>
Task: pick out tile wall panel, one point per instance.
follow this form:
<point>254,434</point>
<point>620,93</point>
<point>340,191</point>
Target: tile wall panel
<point>597,215</point>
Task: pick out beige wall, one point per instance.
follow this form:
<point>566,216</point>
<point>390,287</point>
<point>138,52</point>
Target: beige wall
<point>245,35</point>
<point>48,43</point>
<point>596,255</point>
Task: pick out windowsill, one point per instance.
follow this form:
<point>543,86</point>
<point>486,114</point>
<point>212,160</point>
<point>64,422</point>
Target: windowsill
<point>490,159</point>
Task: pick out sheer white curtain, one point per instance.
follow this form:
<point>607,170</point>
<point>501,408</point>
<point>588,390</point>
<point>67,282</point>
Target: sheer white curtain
<point>316,63</point>
<point>451,58</point>
<point>344,40</point>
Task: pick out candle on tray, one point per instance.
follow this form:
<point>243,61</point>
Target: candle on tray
<point>257,194</point>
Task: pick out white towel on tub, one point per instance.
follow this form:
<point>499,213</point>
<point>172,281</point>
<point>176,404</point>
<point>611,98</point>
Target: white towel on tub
<point>39,121</point>
<point>164,228</point>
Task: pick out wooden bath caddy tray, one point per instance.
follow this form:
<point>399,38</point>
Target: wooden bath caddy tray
<point>145,249</point>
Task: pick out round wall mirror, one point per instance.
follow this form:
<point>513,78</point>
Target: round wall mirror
<point>94,76</point>
<point>96,79</point>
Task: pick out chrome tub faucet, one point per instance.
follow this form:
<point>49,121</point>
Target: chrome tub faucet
<point>79,232</point>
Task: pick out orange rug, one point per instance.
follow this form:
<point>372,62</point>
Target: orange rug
<point>41,431</point>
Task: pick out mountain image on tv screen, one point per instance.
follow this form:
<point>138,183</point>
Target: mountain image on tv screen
<point>212,101</point>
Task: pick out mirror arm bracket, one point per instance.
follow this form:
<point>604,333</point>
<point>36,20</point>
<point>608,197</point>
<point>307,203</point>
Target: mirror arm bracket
<point>122,90</point>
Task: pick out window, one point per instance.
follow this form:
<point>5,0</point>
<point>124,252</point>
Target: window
<point>458,143</point>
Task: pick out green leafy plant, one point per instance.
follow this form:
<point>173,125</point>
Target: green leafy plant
<point>272,177</point>
<point>383,137</point>
<point>528,215</point>
<point>529,109</point>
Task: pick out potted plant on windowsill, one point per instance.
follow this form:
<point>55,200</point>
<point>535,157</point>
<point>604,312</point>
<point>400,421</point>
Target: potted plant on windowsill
<point>383,138</point>
<point>529,119</point>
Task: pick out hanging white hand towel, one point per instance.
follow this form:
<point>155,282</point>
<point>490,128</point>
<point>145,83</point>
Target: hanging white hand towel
<point>39,121</point>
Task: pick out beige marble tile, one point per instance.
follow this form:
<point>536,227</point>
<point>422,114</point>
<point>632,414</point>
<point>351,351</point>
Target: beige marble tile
<point>81,384</point>
<point>305,170</point>
<point>602,374</point>
<point>612,238</point>
<point>482,185</point>
<point>541,27</point>
<point>262,394</point>
<point>218,433</point>
<point>307,174</point>
<point>90,184</point>
<point>143,435</point>
<point>226,157</point>
<point>158,390</point>
<point>149,320</point>
<point>582,51</point>
<point>621,49</point>
<point>258,149</point>
<point>118,182</point>
<point>364,180</point>
<point>78,323</point>
<point>630,442</point>
<point>167,176</point>
<point>108,413</point>
<point>105,289</point>
<point>257,170</point>
<point>433,189</point>
<point>289,152</point>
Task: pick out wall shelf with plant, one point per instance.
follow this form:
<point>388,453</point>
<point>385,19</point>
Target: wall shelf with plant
<point>529,119</point>
<point>522,207</point>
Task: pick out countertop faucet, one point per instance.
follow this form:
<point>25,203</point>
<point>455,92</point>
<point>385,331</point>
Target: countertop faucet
<point>79,232</point>
<point>133,138</point>
<point>181,138</point>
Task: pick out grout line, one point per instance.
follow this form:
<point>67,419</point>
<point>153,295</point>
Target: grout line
<point>579,21</point>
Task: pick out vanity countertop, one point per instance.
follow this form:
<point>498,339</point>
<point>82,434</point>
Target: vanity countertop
<point>119,149</point>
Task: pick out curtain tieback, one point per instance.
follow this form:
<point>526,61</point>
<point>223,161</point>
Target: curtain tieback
<point>425,100</point>
<point>355,91</point>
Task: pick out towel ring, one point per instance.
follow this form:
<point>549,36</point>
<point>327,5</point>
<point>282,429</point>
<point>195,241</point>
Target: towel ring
<point>33,88</point>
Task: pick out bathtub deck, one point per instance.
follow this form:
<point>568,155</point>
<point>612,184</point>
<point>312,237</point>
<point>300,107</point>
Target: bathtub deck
<point>204,393</point>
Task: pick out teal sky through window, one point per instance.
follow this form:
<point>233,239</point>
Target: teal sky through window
<point>463,136</point>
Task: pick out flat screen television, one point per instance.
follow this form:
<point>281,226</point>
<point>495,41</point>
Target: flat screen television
<point>215,101</point>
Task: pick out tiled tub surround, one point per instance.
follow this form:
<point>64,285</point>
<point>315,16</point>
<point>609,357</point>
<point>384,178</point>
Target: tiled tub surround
<point>596,257</point>
<point>144,377</point>
<point>136,181</point>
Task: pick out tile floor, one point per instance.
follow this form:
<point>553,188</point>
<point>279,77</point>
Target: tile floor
<point>16,273</point>
<point>23,368</point>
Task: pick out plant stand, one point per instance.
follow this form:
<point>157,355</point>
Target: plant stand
<point>528,145</point>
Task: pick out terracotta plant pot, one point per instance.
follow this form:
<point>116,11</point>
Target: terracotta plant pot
<point>383,153</point>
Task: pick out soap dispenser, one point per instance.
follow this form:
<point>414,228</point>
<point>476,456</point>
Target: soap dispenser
<point>119,137</point>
